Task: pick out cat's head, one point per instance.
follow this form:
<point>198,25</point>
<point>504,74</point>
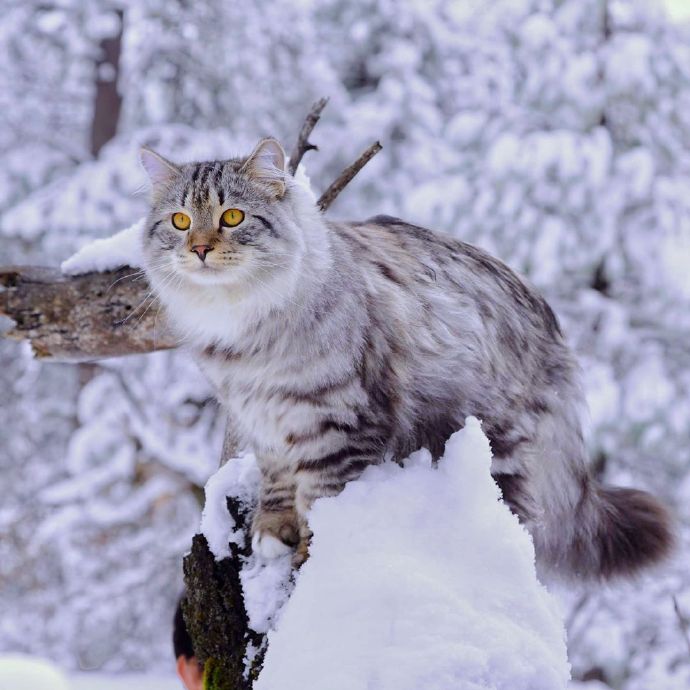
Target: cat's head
<point>231,223</point>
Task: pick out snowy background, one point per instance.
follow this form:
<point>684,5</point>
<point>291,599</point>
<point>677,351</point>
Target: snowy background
<point>554,133</point>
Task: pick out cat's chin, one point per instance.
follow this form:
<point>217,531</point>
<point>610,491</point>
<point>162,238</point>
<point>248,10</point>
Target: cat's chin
<point>210,276</point>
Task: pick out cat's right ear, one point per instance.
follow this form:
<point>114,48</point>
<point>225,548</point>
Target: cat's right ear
<point>160,170</point>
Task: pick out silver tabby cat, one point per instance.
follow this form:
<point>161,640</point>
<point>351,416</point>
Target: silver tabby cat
<point>336,345</point>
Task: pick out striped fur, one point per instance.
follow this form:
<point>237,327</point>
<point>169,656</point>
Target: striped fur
<point>335,345</point>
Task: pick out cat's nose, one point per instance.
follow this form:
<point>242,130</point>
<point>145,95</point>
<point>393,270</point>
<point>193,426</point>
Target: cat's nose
<point>201,250</point>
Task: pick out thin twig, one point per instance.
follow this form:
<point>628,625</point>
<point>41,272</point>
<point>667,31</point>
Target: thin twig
<point>576,610</point>
<point>345,177</point>
<point>682,624</point>
<point>231,442</point>
<point>303,144</point>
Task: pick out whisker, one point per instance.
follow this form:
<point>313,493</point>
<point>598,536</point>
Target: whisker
<point>129,275</point>
<point>167,279</point>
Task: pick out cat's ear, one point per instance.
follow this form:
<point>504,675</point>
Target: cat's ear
<point>160,170</point>
<point>266,165</point>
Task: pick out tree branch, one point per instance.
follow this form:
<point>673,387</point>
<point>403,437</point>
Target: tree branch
<point>303,144</point>
<point>82,318</point>
<point>345,177</point>
<point>682,623</point>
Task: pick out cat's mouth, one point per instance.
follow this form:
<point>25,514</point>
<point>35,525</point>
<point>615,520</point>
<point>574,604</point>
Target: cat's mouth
<point>206,274</point>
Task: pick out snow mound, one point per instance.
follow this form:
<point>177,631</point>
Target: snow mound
<point>240,479</point>
<point>121,249</point>
<point>266,585</point>
<point>419,577</point>
<point>22,672</point>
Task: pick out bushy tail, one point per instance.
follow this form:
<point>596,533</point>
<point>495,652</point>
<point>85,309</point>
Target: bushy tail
<point>617,532</point>
<point>610,532</point>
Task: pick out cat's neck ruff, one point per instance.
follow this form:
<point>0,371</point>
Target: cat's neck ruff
<point>211,314</point>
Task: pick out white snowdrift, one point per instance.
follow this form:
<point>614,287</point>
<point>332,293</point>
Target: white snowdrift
<point>22,672</point>
<point>418,578</point>
<point>121,249</point>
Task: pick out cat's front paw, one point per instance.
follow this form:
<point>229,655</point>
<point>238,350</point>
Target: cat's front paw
<point>302,551</point>
<point>274,533</point>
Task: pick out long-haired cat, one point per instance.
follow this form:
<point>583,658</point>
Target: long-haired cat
<point>336,345</point>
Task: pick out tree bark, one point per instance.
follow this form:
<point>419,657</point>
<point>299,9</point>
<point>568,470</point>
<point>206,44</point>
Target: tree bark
<point>82,318</point>
<point>107,102</point>
<point>215,616</point>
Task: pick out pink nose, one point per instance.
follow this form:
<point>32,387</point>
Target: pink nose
<point>201,250</point>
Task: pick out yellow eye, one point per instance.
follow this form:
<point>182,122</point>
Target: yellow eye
<point>232,217</point>
<point>181,221</point>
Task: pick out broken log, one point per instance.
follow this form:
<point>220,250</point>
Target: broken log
<point>82,318</point>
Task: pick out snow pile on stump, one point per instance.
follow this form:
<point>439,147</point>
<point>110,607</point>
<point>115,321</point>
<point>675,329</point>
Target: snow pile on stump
<point>418,577</point>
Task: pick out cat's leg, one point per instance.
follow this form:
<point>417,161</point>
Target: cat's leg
<point>326,476</point>
<point>275,527</point>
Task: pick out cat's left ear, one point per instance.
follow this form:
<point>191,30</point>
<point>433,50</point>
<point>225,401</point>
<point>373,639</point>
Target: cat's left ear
<point>266,164</point>
<point>160,170</point>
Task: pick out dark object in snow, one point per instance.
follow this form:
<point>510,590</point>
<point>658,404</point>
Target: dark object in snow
<point>216,618</point>
<point>182,642</point>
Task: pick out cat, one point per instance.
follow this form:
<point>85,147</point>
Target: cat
<point>336,345</point>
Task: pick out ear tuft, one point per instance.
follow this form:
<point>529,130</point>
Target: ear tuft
<point>266,165</point>
<point>160,170</point>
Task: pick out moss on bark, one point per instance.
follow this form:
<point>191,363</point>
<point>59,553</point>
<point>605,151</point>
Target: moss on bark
<point>215,615</point>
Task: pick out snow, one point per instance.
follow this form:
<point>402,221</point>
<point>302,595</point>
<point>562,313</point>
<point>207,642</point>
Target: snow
<point>266,584</point>
<point>22,672</point>
<point>419,577</point>
<point>123,681</point>
<point>121,249</point>
<point>239,478</point>
<point>266,587</point>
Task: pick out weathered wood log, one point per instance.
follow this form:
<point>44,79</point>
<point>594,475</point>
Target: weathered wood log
<point>82,318</point>
<point>213,608</point>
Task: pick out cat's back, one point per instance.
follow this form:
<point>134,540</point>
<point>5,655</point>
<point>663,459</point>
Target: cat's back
<point>426,263</point>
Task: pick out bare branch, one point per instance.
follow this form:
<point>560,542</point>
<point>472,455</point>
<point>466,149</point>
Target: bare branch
<point>682,623</point>
<point>231,443</point>
<point>345,177</point>
<point>82,318</point>
<point>303,144</point>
